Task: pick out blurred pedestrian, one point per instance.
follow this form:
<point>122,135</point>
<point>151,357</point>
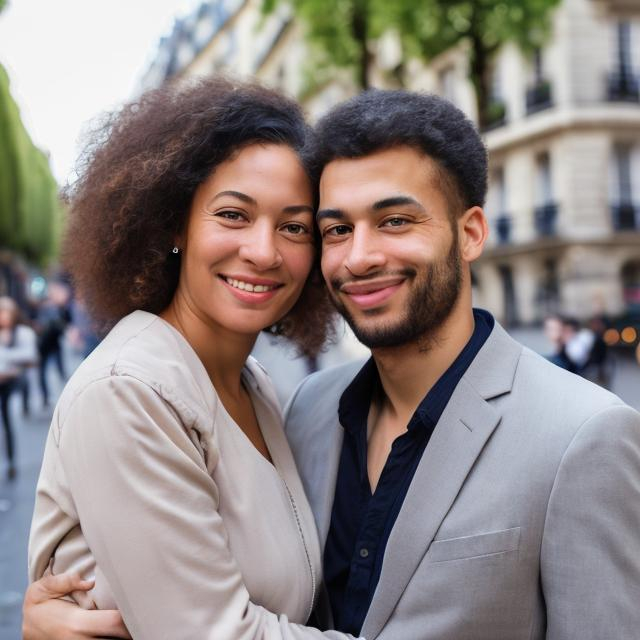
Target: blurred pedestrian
<point>82,334</point>
<point>599,365</point>
<point>555,329</point>
<point>579,342</point>
<point>51,321</point>
<point>17,352</point>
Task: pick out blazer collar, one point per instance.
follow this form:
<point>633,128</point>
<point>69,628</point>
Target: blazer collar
<point>460,435</point>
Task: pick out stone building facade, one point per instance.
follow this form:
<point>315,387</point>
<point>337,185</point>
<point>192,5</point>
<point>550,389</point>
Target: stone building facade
<point>564,197</point>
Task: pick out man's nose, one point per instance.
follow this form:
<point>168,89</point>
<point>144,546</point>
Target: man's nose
<point>365,253</point>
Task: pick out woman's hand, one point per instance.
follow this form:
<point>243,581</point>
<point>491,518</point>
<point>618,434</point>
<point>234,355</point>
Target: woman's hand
<point>45,617</point>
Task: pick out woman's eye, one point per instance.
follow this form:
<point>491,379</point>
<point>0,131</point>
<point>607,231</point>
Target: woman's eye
<point>294,228</point>
<point>337,230</point>
<point>230,215</point>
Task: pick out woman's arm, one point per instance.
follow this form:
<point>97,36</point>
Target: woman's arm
<point>46,617</point>
<point>148,508</point>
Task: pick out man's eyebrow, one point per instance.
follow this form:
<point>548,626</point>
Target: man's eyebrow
<point>235,194</point>
<point>396,201</point>
<point>336,214</point>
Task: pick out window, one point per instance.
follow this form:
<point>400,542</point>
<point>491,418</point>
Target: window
<point>497,206</point>
<point>546,210</point>
<point>623,81</point>
<point>625,162</point>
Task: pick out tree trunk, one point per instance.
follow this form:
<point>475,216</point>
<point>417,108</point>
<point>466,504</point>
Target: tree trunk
<point>359,29</point>
<point>479,71</point>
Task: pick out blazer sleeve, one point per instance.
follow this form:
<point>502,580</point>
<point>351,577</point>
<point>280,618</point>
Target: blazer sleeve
<point>590,556</point>
<point>149,511</point>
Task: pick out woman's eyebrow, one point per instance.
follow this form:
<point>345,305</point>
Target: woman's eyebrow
<point>235,194</point>
<point>299,208</point>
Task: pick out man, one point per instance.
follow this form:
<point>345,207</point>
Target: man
<point>463,486</point>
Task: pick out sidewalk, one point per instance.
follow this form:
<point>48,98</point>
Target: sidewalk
<point>16,500</point>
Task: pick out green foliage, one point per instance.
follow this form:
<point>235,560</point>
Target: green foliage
<point>341,31</point>
<point>432,26</point>
<point>429,27</point>
<point>30,212</point>
<point>2,5</point>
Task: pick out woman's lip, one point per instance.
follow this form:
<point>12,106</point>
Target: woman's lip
<point>252,297</point>
<point>250,279</point>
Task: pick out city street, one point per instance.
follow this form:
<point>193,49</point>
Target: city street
<point>16,497</point>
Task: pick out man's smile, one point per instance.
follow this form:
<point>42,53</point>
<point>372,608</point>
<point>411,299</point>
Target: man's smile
<point>372,293</point>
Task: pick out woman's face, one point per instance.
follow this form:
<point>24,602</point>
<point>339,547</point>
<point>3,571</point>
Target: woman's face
<point>248,246</point>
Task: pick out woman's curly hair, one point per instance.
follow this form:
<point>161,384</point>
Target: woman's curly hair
<point>138,175</point>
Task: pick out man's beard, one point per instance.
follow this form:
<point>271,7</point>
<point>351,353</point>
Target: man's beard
<point>432,297</point>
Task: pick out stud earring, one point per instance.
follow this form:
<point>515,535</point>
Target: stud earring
<point>175,250</point>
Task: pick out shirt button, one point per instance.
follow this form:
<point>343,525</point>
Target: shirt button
<point>364,552</point>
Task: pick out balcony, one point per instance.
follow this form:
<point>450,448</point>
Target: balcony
<point>503,228</point>
<point>545,217</point>
<point>623,87</point>
<point>626,217</point>
<point>539,97</point>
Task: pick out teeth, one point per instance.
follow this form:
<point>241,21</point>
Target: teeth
<point>247,286</point>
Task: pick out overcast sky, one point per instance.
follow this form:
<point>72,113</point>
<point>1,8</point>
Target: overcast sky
<point>69,60</point>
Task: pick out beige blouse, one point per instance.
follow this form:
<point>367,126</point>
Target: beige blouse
<point>148,484</point>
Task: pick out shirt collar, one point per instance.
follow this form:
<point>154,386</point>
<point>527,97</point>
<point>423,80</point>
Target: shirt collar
<point>353,409</point>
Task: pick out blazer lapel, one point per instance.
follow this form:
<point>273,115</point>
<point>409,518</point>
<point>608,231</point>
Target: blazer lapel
<point>462,431</point>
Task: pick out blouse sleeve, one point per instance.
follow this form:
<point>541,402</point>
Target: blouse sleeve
<point>149,511</point>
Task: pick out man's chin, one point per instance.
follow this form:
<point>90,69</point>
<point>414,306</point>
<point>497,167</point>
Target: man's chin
<point>378,335</point>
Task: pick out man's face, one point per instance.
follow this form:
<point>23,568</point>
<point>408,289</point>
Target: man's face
<point>390,254</point>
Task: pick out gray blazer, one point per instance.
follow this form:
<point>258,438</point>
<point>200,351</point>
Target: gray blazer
<point>523,518</point>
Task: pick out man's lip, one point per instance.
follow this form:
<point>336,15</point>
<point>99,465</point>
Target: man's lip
<point>370,286</point>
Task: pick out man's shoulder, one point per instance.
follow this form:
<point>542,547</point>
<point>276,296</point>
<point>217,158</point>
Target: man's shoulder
<point>556,404</point>
<point>335,379</point>
<point>536,374</point>
<point>317,397</point>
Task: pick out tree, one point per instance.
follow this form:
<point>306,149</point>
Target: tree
<point>30,211</point>
<point>429,27</point>
<point>340,32</point>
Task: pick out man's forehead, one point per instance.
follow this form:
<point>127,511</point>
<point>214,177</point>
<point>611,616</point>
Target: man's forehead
<point>391,173</point>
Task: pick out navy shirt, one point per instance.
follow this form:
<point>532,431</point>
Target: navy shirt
<point>361,521</point>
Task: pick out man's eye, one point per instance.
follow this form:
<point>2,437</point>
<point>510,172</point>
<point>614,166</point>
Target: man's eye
<point>337,230</point>
<point>294,228</point>
<point>395,222</point>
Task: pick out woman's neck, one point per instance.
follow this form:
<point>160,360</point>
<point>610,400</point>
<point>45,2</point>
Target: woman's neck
<point>222,352</point>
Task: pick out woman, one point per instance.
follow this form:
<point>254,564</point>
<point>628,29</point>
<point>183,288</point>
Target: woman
<point>17,353</point>
<point>166,473</point>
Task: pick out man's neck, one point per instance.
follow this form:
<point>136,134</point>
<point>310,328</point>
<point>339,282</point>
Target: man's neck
<point>408,373</point>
